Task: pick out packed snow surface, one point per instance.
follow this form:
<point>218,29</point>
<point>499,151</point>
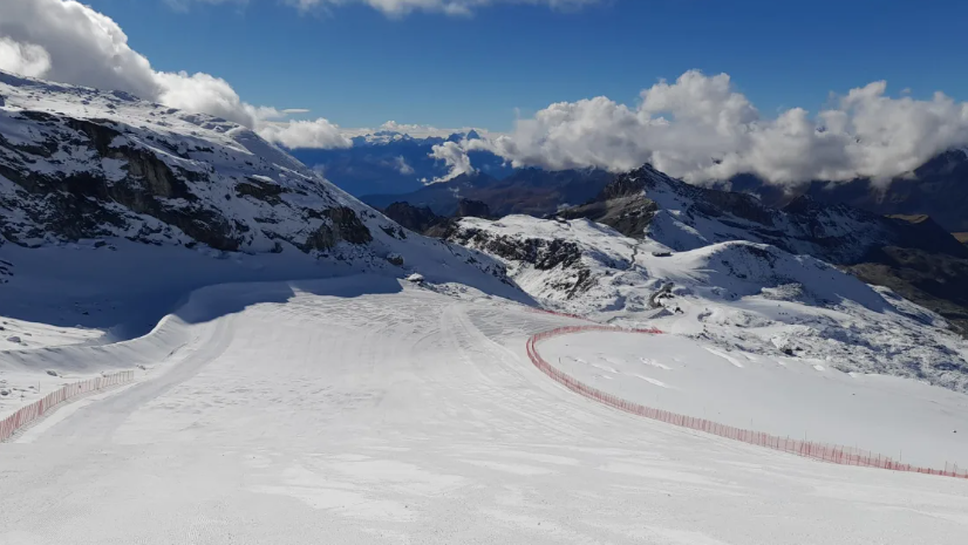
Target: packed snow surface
<point>370,410</point>
<point>66,322</point>
<point>803,399</point>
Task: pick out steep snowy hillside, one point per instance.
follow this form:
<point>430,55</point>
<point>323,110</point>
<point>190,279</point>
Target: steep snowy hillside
<point>909,254</point>
<point>88,178</point>
<point>743,296</point>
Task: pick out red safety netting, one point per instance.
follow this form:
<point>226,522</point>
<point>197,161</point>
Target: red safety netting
<point>821,451</point>
<point>35,410</point>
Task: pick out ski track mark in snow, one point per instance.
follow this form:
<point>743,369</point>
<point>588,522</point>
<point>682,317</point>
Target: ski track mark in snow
<point>606,368</point>
<point>725,356</point>
<point>652,381</point>
<point>653,363</point>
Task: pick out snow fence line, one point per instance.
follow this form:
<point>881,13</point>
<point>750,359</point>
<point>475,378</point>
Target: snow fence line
<point>48,403</point>
<point>836,454</point>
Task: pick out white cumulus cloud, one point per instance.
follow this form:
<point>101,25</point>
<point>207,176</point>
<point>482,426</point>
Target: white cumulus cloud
<point>26,59</point>
<point>69,42</point>
<point>400,163</point>
<point>700,128</point>
<point>305,134</point>
<point>456,158</point>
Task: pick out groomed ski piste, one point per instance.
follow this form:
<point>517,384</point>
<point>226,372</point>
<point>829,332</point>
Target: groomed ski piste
<point>368,409</point>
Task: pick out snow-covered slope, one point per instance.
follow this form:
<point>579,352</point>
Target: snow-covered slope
<point>740,295</point>
<point>912,255</point>
<point>83,164</point>
<point>359,411</point>
<point>113,210</point>
<point>79,163</point>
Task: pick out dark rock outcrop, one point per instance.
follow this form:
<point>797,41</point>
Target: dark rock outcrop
<point>417,219</point>
<point>472,208</point>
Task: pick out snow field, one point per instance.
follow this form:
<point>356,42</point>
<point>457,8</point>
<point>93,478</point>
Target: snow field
<point>792,405</point>
<point>355,411</point>
<point>121,305</point>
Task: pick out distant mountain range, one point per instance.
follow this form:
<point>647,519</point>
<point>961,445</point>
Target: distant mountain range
<point>389,166</point>
<point>938,188</point>
<point>529,191</point>
<point>389,162</point>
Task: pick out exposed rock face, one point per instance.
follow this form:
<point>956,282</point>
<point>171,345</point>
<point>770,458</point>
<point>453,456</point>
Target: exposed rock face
<point>629,214</point>
<point>471,208</point>
<point>422,219</point>
<point>344,225</point>
<point>155,175</point>
<point>542,253</point>
<point>417,219</point>
<point>934,280</point>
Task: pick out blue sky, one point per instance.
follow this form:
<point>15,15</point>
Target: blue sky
<point>358,67</point>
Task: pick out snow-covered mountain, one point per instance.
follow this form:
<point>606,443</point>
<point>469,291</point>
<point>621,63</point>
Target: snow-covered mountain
<point>89,179</point>
<point>684,217</point>
<point>912,255</point>
<point>743,296</point>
